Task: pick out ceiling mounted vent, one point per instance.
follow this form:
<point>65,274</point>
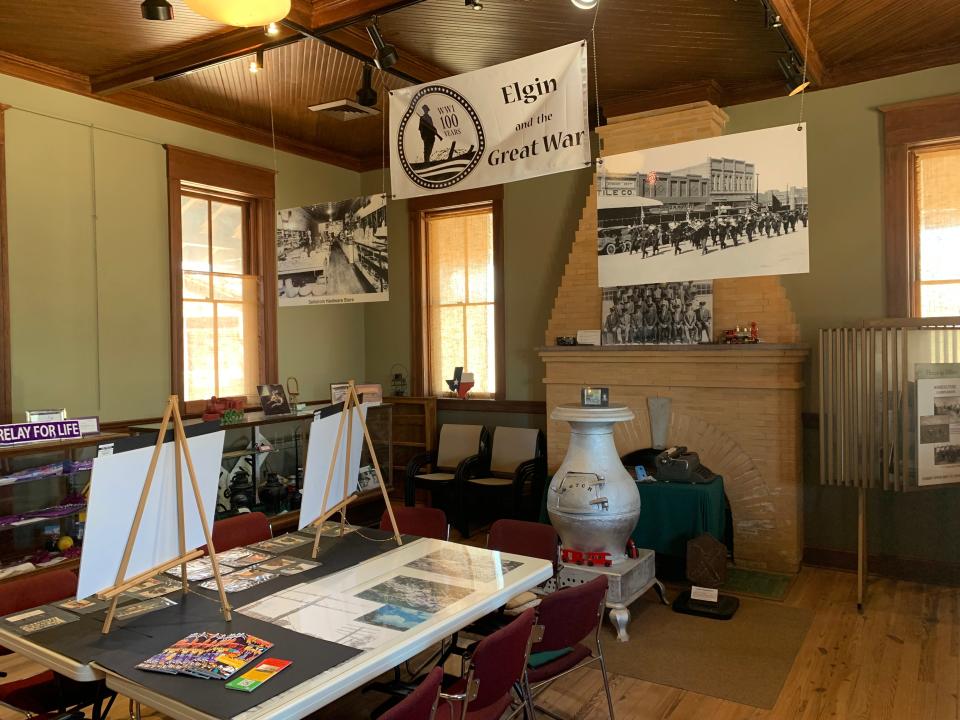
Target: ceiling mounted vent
<point>344,110</point>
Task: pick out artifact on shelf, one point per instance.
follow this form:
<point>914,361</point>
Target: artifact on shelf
<point>215,407</point>
<point>741,336</point>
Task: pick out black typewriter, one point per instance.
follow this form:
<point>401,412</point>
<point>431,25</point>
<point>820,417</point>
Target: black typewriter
<point>677,464</point>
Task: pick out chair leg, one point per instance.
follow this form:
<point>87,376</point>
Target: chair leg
<point>606,680</point>
<point>530,710</point>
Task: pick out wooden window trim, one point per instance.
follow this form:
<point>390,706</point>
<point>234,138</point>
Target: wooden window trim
<point>256,186</point>
<point>908,127</point>
<point>418,208</point>
<point>6,375</point>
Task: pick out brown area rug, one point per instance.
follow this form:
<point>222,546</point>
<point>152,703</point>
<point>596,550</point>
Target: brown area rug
<point>745,659</point>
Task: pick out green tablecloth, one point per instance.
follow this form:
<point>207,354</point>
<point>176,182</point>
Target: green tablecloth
<point>673,513</point>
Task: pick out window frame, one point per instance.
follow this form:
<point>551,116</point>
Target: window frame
<point>907,128</point>
<point>190,172</point>
<point>418,209</point>
<point>6,376</point>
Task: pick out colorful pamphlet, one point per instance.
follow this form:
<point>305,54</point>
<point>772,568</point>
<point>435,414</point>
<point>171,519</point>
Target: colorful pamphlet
<point>252,679</point>
<point>215,656</point>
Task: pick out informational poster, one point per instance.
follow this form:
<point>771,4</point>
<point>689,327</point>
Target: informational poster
<point>520,119</point>
<point>730,206</point>
<point>938,423</point>
<point>334,252</point>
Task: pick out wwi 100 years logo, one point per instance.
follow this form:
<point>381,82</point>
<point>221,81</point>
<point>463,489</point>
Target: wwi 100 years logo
<point>440,139</point>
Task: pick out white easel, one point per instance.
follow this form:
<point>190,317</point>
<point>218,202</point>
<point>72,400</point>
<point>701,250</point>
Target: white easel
<point>181,454</point>
<point>350,403</point>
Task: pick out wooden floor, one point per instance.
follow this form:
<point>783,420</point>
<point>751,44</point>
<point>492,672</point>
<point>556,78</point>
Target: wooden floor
<point>897,660</point>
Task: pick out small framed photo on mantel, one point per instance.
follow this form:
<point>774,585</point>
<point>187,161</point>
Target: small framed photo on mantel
<point>595,397</point>
<point>273,400</point>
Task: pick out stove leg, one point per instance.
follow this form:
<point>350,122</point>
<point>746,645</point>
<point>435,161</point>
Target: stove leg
<point>620,619</point>
<point>661,591</point>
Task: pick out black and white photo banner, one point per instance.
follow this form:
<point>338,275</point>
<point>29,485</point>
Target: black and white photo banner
<point>521,119</point>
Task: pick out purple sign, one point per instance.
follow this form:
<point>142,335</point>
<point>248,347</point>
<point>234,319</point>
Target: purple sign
<point>39,432</point>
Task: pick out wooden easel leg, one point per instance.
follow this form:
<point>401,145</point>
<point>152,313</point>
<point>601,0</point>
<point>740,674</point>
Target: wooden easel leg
<point>376,468</point>
<point>861,547</point>
<point>144,494</point>
<point>178,459</point>
<point>352,402</point>
<point>178,429</point>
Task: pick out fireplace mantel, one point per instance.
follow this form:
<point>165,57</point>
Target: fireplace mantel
<point>736,405</point>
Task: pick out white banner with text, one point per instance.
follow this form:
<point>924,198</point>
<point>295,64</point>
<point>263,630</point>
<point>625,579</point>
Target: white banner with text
<point>517,120</point>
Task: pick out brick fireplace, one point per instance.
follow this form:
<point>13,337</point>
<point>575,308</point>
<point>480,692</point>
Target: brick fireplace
<point>738,406</point>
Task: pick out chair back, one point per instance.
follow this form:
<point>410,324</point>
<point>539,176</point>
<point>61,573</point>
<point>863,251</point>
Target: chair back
<point>458,442</point>
<point>499,659</point>
<point>522,537</point>
<point>36,589</point>
<point>242,529</point>
<point>419,521</point>
<point>512,446</point>
<point>568,616</point>
<point>421,704</point>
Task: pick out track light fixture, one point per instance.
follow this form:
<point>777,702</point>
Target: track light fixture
<point>585,4</point>
<point>474,4</point>
<point>771,18</point>
<point>386,56</point>
<point>272,29</point>
<point>256,65</point>
<point>792,69</point>
<point>156,10</point>
<point>366,95</point>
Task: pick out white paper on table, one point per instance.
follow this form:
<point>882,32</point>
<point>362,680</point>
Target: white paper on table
<point>115,487</point>
<point>320,450</point>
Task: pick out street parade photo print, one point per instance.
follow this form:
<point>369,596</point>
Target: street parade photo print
<point>677,313</point>
<point>730,206</point>
<point>333,252</point>
<point>520,119</point>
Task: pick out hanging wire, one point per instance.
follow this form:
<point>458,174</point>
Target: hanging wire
<point>593,47</point>
<point>273,134</point>
<point>803,81</point>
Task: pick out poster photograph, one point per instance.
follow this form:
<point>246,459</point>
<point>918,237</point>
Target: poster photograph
<point>730,206</point>
<point>334,252</point>
<point>938,422</point>
<point>520,119</point>
<point>678,313</point>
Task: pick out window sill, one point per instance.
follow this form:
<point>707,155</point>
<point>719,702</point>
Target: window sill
<point>528,407</point>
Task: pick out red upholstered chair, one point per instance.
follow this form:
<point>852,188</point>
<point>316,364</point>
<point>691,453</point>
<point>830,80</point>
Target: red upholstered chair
<point>522,537</point>
<point>495,666</point>
<point>242,529</point>
<point>419,521</point>
<point>567,618</point>
<point>421,704</point>
<point>46,692</point>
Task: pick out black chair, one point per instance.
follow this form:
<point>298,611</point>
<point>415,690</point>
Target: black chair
<point>516,471</point>
<point>437,471</point>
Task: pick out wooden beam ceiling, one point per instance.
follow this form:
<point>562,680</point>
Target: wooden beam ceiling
<point>227,46</point>
<point>795,27</point>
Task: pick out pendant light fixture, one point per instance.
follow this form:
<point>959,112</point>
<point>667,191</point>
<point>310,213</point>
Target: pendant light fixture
<point>585,4</point>
<point>241,13</point>
<point>156,10</point>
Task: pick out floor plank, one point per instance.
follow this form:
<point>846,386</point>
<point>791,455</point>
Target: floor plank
<point>899,659</point>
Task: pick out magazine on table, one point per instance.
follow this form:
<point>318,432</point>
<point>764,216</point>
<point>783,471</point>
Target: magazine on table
<point>215,656</point>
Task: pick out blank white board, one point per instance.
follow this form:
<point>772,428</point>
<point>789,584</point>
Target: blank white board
<point>323,436</point>
<point>115,487</point>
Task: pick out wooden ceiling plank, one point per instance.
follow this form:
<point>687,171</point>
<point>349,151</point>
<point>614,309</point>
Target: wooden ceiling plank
<point>228,46</point>
<point>329,15</point>
<point>795,27</point>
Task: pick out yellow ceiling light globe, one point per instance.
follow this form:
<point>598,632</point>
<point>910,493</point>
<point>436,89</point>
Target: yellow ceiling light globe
<point>241,13</point>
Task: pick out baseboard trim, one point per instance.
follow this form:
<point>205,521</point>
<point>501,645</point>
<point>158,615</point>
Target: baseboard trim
<point>932,572</point>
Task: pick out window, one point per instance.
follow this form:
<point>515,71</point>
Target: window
<point>221,342</point>
<point>223,277</point>
<point>457,312</point>
<point>936,224</point>
<point>921,207</point>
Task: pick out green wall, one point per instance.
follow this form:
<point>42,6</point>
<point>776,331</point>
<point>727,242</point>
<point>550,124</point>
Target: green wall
<point>89,257</point>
